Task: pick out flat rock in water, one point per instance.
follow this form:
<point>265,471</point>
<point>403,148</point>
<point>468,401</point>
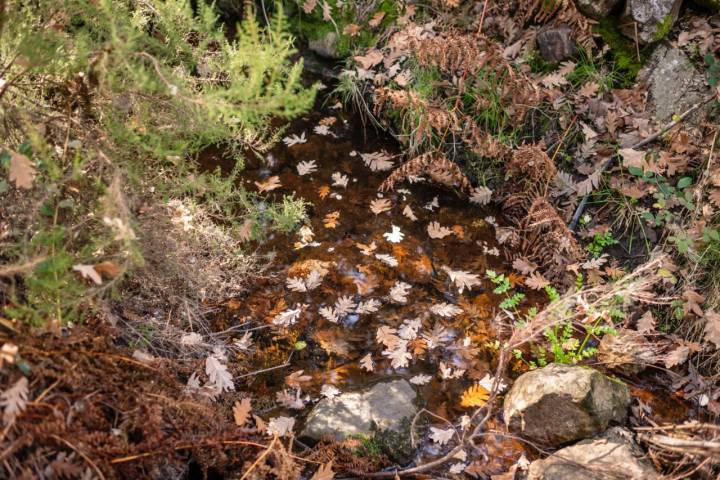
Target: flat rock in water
<point>604,458</point>
<point>673,82</point>
<point>561,403</point>
<point>648,21</point>
<point>384,406</point>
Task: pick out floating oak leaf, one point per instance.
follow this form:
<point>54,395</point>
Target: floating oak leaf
<point>387,259</point>
<point>421,379</point>
<point>366,363</point>
<point>408,212</point>
<point>395,235</point>
<point>294,139</point>
<point>399,292</point>
<point>331,220</point>
<point>306,167</point>
<point>268,185</point>
<point>377,161</point>
<point>380,205</point>
<point>339,180</point>
<point>481,195</point>
<point>241,411</point>
<point>369,306</point>
<point>435,230</point>
<point>462,279</point>
<point>446,310</point>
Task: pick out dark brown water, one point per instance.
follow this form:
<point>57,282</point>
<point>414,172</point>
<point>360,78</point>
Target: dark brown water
<point>331,353</point>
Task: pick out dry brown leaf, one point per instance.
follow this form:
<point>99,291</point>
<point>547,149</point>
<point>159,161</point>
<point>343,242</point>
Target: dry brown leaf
<point>241,411</point>
<point>352,30</point>
<point>677,356</point>
<point>107,270</point>
<point>22,170</point>
<point>309,6</point>
<point>589,89</point>
<point>712,328</point>
<point>693,300</point>
<point>370,59</point>
<point>646,323</point>
<point>377,18</point>
<point>536,281</point>
<point>324,472</point>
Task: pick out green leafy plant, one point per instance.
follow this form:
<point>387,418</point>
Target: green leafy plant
<point>502,287</point>
<point>599,242</point>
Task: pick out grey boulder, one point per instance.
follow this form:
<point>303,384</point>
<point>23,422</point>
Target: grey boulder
<point>325,46</point>
<point>597,9</point>
<point>556,44</point>
<point>384,406</point>
<point>648,21</point>
<point>614,456</point>
<point>674,84</point>
<point>561,403</point>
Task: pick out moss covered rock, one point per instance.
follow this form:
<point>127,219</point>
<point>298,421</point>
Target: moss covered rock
<point>649,21</point>
<point>561,403</point>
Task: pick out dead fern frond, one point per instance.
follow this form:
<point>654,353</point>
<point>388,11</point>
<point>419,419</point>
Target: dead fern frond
<point>438,167</point>
<point>531,162</point>
<point>556,13</point>
<point>545,238</point>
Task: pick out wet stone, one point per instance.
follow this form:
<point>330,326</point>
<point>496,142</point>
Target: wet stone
<point>384,406</point>
<point>561,403</point>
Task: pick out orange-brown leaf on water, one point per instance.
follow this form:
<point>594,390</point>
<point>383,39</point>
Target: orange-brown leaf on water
<point>323,191</point>
<point>366,285</point>
<point>241,411</point>
<point>332,341</point>
<point>475,396</point>
<point>302,267</point>
<point>331,220</point>
<point>459,231</point>
<point>423,265</point>
<point>400,252</point>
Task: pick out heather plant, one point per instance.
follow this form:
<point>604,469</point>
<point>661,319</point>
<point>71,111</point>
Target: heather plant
<point>105,107</point>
